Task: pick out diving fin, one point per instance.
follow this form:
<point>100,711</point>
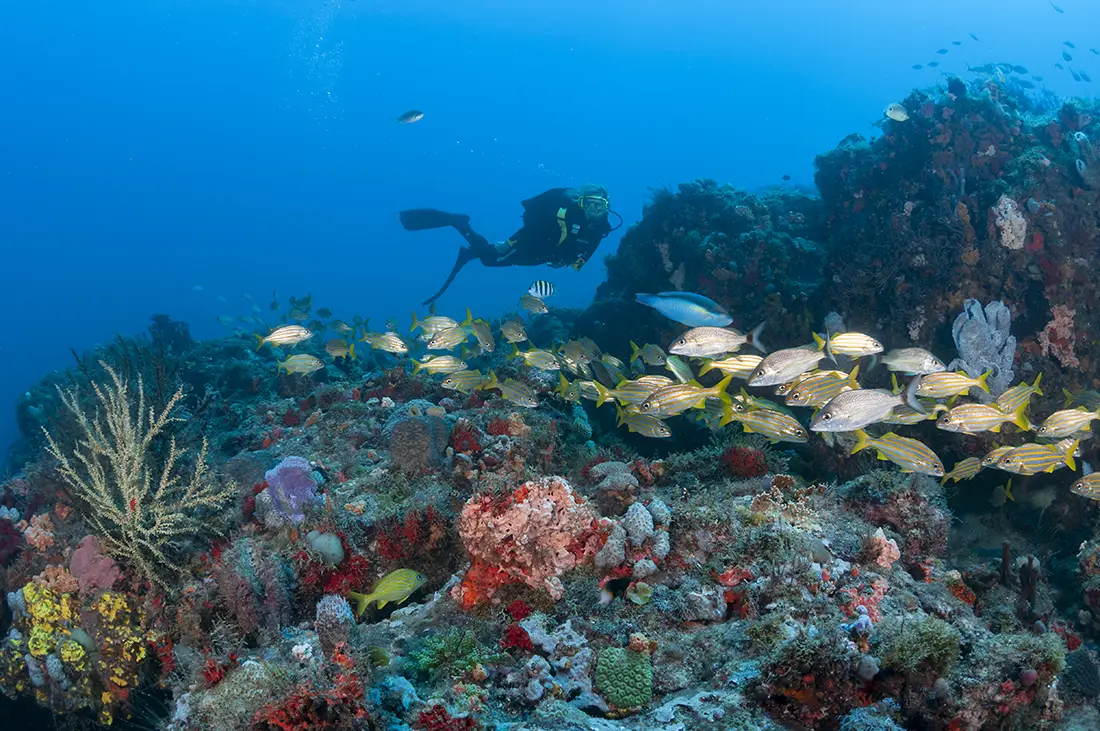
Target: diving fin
<point>465,256</point>
<point>420,219</point>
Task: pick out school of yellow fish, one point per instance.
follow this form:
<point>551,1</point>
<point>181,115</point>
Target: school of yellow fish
<point>644,400</point>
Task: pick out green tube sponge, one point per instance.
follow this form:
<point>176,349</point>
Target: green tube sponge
<point>624,677</point>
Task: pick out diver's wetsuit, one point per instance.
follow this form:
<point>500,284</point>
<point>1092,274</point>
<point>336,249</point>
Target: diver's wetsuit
<point>555,231</point>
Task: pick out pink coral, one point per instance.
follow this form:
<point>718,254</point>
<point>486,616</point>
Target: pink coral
<point>1058,338</point>
<point>92,569</point>
<point>884,549</point>
<point>39,533</point>
<point>531,536</point>
<point>57,579</point>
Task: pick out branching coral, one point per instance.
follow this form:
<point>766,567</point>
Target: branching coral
<point>139,504</point>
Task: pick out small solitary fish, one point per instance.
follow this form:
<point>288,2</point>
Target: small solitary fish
<point>541,289</point>
<point>912,361</point>
<point>396,587</point>
<point>533,304</point>
<point>687,308</point>
<point>942,51</point>
<point>896,111</point>
<point>1066,57</point>
<point>512,390</point>
<point>649,354</point>
<point>964,470</point>
<point>911,455</point>
<point>301,363</point>
<point>704,341</point>
<point>285,335</point>
<point>413,115</point>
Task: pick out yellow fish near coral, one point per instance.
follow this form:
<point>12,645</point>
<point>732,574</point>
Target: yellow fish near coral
<point>395,587</point>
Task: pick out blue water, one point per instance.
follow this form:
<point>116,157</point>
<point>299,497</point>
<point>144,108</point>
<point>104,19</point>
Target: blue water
<point>160,156</point>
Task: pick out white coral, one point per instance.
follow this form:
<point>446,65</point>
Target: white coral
<point>638,524</point>
<point>1011,223</point>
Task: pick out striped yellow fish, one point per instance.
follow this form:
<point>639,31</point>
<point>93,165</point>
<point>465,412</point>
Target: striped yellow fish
<point>644,424</point>
<point>679,368</point>
<point>994,456</point>
<point>448,339</point>
<point>513,330</point>
<point>911,455</point>
<point>964,470</point>
<point>615,368</point>
<point>817,389</point>
<point>512,390</point>
<point>338,348</point>
<point>950,383</point>
<point>1088,486</point>
<point>389,342</point>
<point>1031,459</point>
<point>285,335</point>
<point>543,360</point>
<point>481,330</point>
<point>1066,422</point>
<point>1019,395</point>
<point>301,363</point>
<point>463,381</point>
<point>978,418</point>
<point>567,390</point>
<point>636,391</point>
<point>680,397</point>
<point>738,366</point>
<point>431,325</point>
<point>533,304</point>
<point>775,426</point>
<point>906,415</point>
<point>853,345</point>
<point>649,354</point>
<point>396,586</point>
<point>439,364</point>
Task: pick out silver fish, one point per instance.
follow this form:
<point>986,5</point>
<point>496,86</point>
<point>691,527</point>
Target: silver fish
<point>702,342</point>
<point>785,365</point>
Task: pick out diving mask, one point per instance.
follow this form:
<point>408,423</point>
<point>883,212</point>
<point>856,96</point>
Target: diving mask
<point>593,205</point>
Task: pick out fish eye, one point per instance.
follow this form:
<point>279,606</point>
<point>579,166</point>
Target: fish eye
<point>826,416</point>
<point>799,433</point>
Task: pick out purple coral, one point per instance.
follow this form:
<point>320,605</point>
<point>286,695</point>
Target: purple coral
<point>291,487</point>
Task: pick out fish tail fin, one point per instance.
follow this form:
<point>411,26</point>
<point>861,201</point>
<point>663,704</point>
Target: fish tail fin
<point>620,417</point>
<point>417,365</point>
<point>602,394</point>
<point>754,338</point>
<point>1070,462</point>
<point>911,396</point>
<point>1035,386</point>
<point>416,323</point>
<point>1008,490</point>
<point>282,366</point>
<point>515,351</point>
<point>852,376</point>
<point>491,383</point>
<point>259,341</point>
<point>894,382</point>
<point>708,366</point>
<point>1019,418</point>
<point>862,441</point>
<point>563,384</point>
<point>469,321</point>
<point>362,601</point>
<point>983,381</point>
<point>635,351</point>
<point>720,390</point>
<point>819,342</point>
<point>351,349</point>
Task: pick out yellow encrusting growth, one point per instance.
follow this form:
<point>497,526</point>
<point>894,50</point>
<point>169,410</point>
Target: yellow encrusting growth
<point>138,503</point>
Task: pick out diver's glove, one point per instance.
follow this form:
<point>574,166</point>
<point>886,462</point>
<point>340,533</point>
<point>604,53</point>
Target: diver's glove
<point>577,264</point>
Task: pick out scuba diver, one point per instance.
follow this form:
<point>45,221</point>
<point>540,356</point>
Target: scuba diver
<point>561,227</point>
